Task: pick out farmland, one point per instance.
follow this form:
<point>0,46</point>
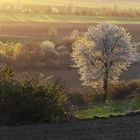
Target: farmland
<point>26,17</point>
<point>81,3</point>
<point>119,128</point>
<point>35,31</point>
<point>29,30</point>
<point>39,85</point>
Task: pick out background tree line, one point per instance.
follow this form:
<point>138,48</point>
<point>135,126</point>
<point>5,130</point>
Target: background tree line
<point>71,9</point>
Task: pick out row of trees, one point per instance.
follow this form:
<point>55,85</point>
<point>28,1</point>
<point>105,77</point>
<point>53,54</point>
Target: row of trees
<point>46,55</point>
<point>71,9</point>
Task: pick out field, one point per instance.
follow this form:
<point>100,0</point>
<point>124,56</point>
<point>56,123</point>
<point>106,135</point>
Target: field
<point>38,30</point>
<point>29,31</point>
<point>82,3</point>
<point>116,128</point>
<point>26,17</point>
<point>32,100</point>
<point>105,110</point>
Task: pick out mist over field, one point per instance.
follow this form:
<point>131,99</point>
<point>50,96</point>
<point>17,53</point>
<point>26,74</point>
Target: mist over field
<point>69,69</point>
<point>54,20</point>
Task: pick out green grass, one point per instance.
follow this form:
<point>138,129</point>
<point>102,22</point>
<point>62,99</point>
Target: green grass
<point>24,17</point>
<point>105,110</point>
<point>122,5</point>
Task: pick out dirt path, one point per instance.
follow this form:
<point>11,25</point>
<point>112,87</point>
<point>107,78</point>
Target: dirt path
<point>118,128</point>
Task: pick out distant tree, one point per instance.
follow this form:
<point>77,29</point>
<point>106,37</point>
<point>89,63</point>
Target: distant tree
<point>9,52</point>
<point>102,54</point>
<point>74,34</point>
<point>52,32</point>
<point>5,73</point>
<point>115,10</point>
<point>54,10</point>
<point>48,47</point>
<point>71,8</point>
<point>30,51</point>
<point>48,53</point>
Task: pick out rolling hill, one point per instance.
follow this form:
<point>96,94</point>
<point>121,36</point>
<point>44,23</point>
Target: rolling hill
<point>76,2</point>
<point>121,4</point>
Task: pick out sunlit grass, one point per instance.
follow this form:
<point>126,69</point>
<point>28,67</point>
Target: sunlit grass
<point>80,3</point>
<point>105,110</point>
<point>26,17</point>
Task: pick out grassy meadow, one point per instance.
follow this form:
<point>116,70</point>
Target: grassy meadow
<point>105,110</point>
<point>98,6</point>
<point>26,17</point>
<point>123,5</point>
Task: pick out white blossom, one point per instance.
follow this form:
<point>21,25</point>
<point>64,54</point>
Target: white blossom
<point>102,54</point>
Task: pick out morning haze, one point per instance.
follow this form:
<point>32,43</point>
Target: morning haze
<point>70,69</point>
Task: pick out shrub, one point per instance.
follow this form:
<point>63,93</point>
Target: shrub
<point>32,99</point>
<point>48,53</point>
<point>45,55</point>
<point>85,96</point>
<point>76,97</point>
<point>135,103</point>
<point>93,96</point>
<point>30,51</point>
<point>136,94</point>
<point>66,42</point>
<point>5,73</point>
<point>9,52</point>
<point>52,32</point>
<point>123,89</point>
<point>97,98</point>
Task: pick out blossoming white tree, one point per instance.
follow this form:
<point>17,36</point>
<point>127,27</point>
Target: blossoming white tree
<point>101,54</point>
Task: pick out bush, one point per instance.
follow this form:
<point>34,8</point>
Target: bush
<point>123,89</point>
<point>30,51</point>
<point>135,103</point>
<point>85,96</point>
<point>32,99</point>
<point>46,55</point>
<point>76,97</point>
<point>97,98</point>
<point>136,94</point>
<point>9,52</point>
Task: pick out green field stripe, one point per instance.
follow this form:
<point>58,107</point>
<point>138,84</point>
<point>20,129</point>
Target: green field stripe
<point>24,17</point>
<point>81,3</point>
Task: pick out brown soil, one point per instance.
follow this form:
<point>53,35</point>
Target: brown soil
<point>116,128</point>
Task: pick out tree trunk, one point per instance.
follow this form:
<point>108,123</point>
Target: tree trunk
<point>105,86</point>
<point>105,90</point>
